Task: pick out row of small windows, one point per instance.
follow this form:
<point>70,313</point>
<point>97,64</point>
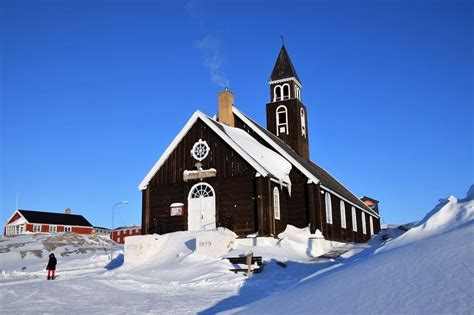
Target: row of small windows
<point>342,208</point>
<point>282,121</point>
<point>14,229</point>
<point>123,232</point>
<point>282,92</point>
<point>20,229</point>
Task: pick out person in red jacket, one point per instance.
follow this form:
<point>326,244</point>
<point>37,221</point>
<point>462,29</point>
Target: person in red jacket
<point>51,266</point>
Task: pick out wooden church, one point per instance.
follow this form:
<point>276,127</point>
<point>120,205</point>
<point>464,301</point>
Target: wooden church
<point>231,172</point>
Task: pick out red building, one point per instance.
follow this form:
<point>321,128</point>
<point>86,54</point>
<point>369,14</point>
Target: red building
<point>371,203</point>
<point>28,221</point>
<point>119,234</point>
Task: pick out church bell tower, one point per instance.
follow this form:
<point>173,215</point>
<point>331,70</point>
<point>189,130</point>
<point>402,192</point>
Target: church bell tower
<point>286,114</point>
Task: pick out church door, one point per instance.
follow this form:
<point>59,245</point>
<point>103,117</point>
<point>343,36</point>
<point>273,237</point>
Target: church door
<point>201,208</point>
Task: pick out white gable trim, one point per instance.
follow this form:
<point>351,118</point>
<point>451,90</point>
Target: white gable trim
<point>18,221</point>
<point>287,80</point>
<point>300,167</point>
<point>198,114</point>
<point>11,217</point>
<point>282,152</point>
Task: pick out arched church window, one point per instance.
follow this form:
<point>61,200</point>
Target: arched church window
<point>281,120</point>
<point>371,226</point>
<point>277,93</point>
<point>276,203</point>
<point>342,207</point>
<point>364,227</point>
<point>303,122</point>
<point>202,190</point>
<point>286,91</point>
<point>327,201</point>
<point>354,220</point>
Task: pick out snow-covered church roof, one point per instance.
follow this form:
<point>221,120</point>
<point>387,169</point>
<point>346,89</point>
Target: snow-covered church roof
<point>264,160</point>
<point>312,171</point>
<point>276,163</point>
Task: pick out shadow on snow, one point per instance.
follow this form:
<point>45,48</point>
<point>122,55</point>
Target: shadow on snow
<point>275,278</point>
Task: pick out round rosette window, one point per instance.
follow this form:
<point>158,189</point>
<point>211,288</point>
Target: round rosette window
<point>200,150</point>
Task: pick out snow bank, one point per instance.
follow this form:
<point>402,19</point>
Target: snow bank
<point>433,275</point>
<point>215,243</point>
<point>274,163</point>
<point>448,215</point>
<point>301,240</point>
<point>140,248</point>
<point>178,263</point>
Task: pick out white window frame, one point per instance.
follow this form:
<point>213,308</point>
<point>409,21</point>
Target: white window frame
<point>354,219</point>
<point>275,98</point>
<point>19,229</point>
<point>281,109</point>
<point>342,207</point>
<point>371,222</point>
<point>298,93</point>
<point>364,226</point>
<point>303,122</point>
<point>276,203</point>
<point>328,206</point>
<point>283,96</point>
<point>53,228</point>
<point>202,145</point>
<point>36,227</point>
<point>68,229</point>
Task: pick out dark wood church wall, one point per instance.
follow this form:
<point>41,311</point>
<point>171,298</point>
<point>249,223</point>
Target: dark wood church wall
<point>221,157</point>
<point>301,210</point>
<point>297,204</point>
<point>376,226</point>
<point>233,186</point>
<point>335,231</point>
<point>235,206</point>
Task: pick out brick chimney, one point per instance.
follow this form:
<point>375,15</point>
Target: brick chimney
<point>225,101</point>
<point>67,211</point>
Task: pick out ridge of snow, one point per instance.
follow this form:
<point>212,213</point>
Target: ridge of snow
<point>449,214</point>
<point>432,276</point>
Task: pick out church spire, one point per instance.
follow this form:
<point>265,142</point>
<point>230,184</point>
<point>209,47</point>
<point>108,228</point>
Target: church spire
<point>283,68</point>
<point>286,113</point>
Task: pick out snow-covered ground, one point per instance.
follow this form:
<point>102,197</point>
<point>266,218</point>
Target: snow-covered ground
<point>428,269</point>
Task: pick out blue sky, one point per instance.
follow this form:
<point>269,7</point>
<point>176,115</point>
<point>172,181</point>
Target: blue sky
<point>92,92</point>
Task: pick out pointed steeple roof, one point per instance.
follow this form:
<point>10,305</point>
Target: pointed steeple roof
<point>283,67</point>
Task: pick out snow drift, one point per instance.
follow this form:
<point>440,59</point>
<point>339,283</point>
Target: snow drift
<point>448,215</point>
<point>427,270</point>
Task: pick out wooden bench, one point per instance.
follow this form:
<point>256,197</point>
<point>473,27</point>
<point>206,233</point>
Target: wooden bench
<point>242,260</point>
